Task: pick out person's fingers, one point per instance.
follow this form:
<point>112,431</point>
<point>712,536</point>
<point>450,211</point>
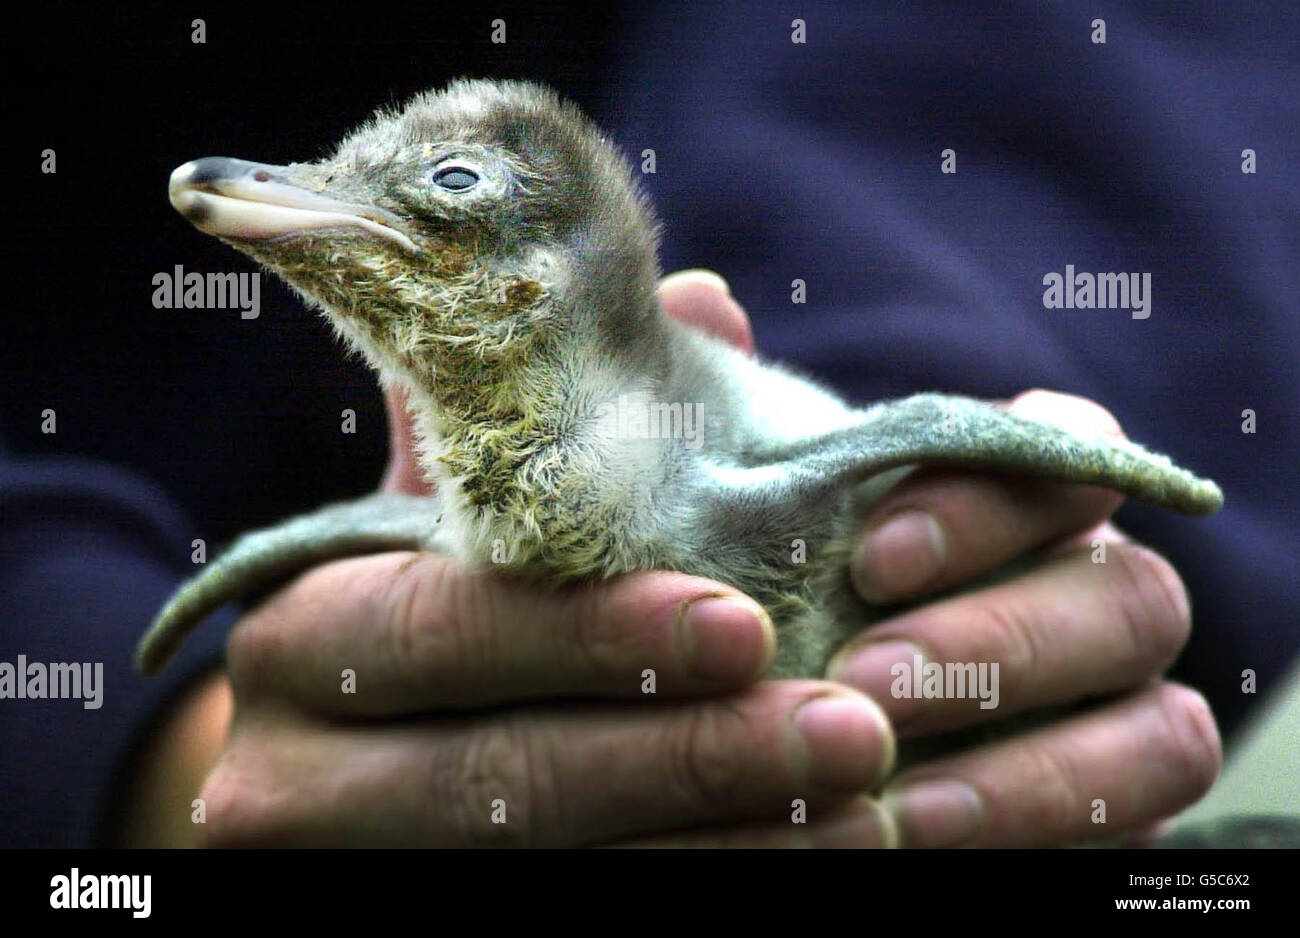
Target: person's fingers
<point>702,299</point>
<point>859,823</point>
<point>1110,771</point>
<point>553,776</point>
<point>1069,628</point>
<point>408,632</point>
<point>939,528</point>
<point>403,473</point>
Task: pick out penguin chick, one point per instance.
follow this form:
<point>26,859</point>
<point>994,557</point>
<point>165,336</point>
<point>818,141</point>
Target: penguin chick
<point>487,250</point>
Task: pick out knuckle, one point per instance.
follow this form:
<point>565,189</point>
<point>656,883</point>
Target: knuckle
<point>1059,786</point>
<point>702,761</point>
<point>488,787</point>
<point>1005,632</point>
<point>254,652</point>
<point>433,615</point>
<point>264,643</point>
<point>1151,602</point>
<point>598,638</point>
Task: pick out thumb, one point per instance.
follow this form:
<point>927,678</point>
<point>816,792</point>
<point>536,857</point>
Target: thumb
<point>701,299</point>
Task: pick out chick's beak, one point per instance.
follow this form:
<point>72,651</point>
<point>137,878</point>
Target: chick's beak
<point>256,201</point>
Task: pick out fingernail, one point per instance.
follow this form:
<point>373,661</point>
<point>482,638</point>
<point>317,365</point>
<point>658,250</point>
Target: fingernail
<point>698,275</point>
<point>936,813</point>
<point>865,825</point>
<point>873,669</point>
<point>841,741</point>
<point>726,639</point>
<point>899,556</point>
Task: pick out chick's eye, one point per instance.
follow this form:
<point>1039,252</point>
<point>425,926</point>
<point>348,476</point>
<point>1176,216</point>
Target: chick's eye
<point>455,178</point>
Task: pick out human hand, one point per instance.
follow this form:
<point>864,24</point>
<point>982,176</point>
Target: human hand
<point>1065,629</point>
<point>741,754</point>
<point>1068,627</point>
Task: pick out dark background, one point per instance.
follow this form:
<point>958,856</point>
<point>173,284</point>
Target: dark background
<point>776,161</point>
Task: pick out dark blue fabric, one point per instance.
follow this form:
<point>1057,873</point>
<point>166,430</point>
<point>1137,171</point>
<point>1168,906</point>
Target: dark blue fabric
<point>820,161</point>
<point>88,553</point>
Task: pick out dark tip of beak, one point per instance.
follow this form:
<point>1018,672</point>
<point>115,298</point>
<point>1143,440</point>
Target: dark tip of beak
<point>214,171</point>
<point>195,211</point>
